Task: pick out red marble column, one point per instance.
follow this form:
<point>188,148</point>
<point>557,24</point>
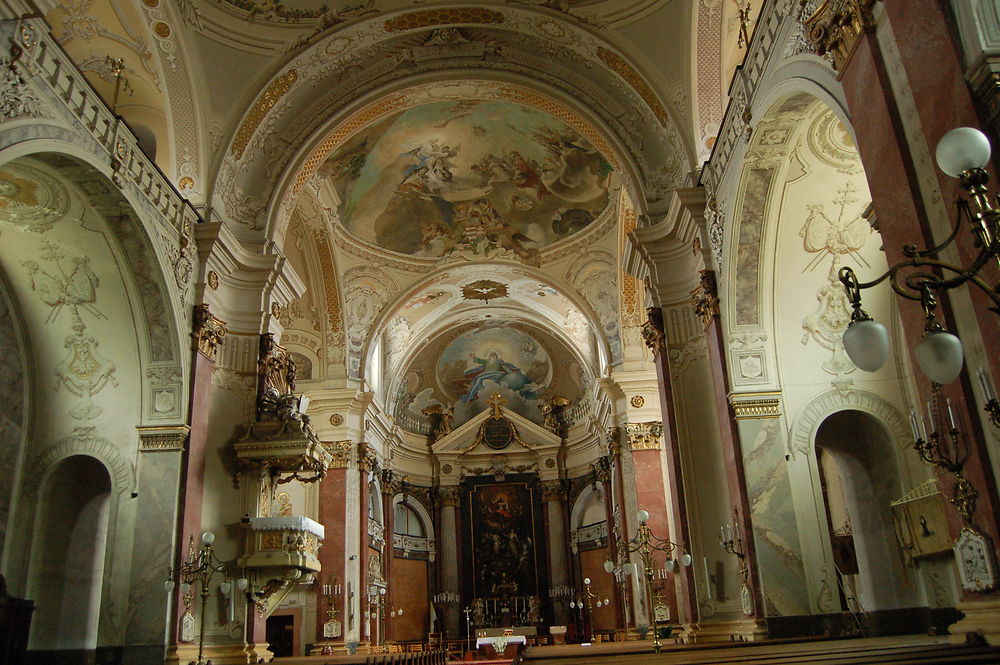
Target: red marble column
<point>206,338</point>
<point>333,517</point>
<point>707,306</point>
<point>893,130</point>
<point>649,475</point>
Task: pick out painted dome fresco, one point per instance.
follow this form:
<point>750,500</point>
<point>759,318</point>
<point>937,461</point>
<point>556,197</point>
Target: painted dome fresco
<point>474,175</point>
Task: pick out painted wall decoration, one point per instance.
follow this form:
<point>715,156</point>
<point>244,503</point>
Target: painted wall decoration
<point>483,176</point>
<point>503,538</point>
<point>488,360</point>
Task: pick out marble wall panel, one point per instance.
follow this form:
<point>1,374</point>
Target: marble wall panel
<point>774,526</point>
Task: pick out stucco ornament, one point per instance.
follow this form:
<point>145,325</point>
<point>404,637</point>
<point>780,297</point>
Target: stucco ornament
<point>977,565</point>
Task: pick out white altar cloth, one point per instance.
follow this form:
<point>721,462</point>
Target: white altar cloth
<point>510,639</point>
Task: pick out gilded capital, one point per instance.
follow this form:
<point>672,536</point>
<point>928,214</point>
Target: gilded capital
<point>367,459</point>
<point>705,298</point>
<point>208,332</point>
<point>644,436</point>
<point>553,490</point>
<point>756,405</point>
<point>652,330</point>
<point>837,26</point>
<point>340,451</point>
<point>602,468</point>
<point>613,439</point>
<point>449,496</point>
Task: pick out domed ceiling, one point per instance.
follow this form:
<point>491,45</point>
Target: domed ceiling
<point>473,175</point>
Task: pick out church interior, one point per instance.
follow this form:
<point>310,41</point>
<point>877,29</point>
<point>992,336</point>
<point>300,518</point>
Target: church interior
<point>407,330</point>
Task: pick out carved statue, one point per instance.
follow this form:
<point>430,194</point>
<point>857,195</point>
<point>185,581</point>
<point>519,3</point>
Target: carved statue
<point>478,613</point>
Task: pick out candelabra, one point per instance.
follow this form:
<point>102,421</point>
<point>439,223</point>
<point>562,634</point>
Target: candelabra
<point>947,448</point>
<point>622,572</point>
<point>962,153</point>
<point>468,626</point>
<point>646,544</point>
<point>732,543</point>
<point>992,405</point>
<point>200,567</point>
<point>331,592</point>
<point>376,599</point>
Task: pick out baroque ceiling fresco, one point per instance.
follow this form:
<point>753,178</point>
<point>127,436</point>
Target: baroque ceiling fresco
<point>461,370</point>
<point>475,175</point>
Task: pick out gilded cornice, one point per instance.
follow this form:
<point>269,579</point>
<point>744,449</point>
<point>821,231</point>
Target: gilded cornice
<point>756,405</point>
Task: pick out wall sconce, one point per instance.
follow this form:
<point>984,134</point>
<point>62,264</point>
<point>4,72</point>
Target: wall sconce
<point>961,153</point>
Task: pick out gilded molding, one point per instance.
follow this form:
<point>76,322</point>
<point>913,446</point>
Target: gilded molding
<point>644,436</point>
<point>171,437</point>
<point>756,405</point>
<point>208,333</point>
<point>836,28</point>
<point>340,451</point>
<point>705,297</point>
<point>264,103</point>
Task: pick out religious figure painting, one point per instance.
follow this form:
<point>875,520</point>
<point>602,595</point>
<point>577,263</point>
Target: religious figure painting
<point>484,361</point>
<point>504,556</point>
<point>482,176</point>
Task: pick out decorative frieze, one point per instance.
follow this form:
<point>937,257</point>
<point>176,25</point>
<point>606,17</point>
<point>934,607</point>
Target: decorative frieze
<point>644,436</point>
<point>208,333</point>
<point>173,437</point>
<point>756,405</point>
<point>836,28</point>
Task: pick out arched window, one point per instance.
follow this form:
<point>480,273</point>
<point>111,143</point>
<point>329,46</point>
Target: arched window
<point>407,522</point>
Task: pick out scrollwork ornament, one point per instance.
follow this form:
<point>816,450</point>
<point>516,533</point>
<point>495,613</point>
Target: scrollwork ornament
<point>209,331</point>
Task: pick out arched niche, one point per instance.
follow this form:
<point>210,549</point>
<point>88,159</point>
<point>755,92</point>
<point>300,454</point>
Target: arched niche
<point>69,554</point>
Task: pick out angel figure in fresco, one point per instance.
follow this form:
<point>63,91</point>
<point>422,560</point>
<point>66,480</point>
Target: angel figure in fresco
<point>496,369</point>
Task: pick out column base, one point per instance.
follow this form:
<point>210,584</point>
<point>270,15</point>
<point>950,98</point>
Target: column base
<point>748,629</point>
<point>220,654</point>
<point>981,617</point>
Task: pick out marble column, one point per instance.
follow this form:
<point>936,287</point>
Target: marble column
<point>206,339</point>
<point>390,486</point>
<point>652,469</point>
<point>450,499</point>
<point>333,517</point>
<point>554,495</point>
<point>367,465</point>
<point>706,305</point>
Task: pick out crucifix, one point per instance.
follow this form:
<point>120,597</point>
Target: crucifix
<point>117,68</point>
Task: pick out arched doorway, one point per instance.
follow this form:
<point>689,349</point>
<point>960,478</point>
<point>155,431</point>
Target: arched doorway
<point>859,479</point>
<point>67,572</point>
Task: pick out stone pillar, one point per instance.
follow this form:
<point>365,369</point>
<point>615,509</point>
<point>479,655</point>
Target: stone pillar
<point>333,517</point>
<point>448,539</point>
<point>390,486</point>
<point>367,465</point>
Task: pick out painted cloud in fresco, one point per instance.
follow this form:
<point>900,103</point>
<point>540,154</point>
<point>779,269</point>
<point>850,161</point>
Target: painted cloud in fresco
<point>476,175</point>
